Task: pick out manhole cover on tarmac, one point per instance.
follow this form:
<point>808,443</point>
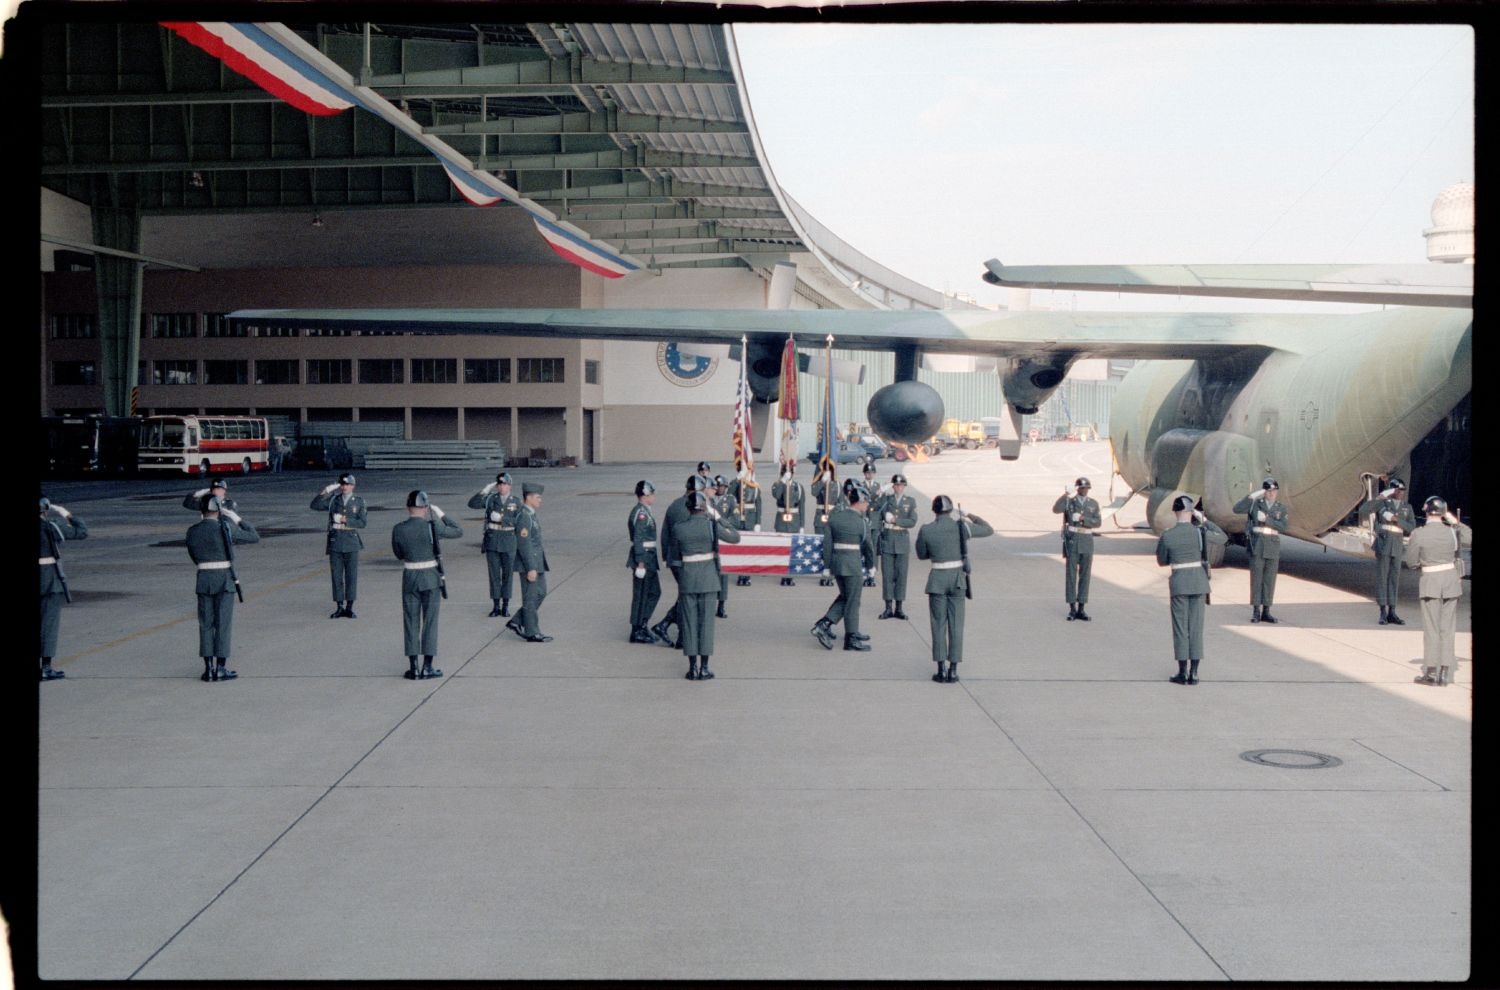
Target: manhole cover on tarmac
<point>1291,759</point>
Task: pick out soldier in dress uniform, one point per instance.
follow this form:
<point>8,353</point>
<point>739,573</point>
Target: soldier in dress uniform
<point>707,474</point>
<point>895,513</point>
<point>697,538</point>
<point>1080,518</point>
<point>218,488</point>
<point>1435,551</point>
<point>53,584</point>
<point>676,513</point>
<point>532,559</point>
<point>824,501</point>
<point>1264,523</point>
<point>847,551</point>
<point>501,509</point>
<point>414,541</point>
<point>1184,548</point>
<point>1394,521</point>
<point>210,544</point>
<point>869,489</point>
<point>944,541</point>
<point>643,561</point>
<point>787,503</point>
<point>723,504</point>
<point>346,517</point>
<point>747,514</point>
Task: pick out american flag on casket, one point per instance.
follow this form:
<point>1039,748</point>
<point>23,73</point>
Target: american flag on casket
<point>773,553</point>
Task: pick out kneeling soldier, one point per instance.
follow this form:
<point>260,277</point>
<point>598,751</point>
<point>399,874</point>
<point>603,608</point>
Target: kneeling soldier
<point>211,545</point>
<point>346,517</point>
<point>414,541</point>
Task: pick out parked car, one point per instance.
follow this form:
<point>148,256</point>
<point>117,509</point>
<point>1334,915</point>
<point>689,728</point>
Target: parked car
<point>942,440</point>
<point>872,444</point>
<point>845,452</point>
<point>320,453</point>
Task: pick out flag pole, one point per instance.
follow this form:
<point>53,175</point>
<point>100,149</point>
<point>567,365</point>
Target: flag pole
<point>828,448</point>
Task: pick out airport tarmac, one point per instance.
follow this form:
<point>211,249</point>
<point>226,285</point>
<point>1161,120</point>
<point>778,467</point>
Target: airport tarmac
<point>576,809</point>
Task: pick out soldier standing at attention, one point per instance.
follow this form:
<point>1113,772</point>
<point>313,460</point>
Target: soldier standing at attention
<point>54,590</point>
<point>1184,548</point>
<point>945,541</point>
<point>707,474</point>
<point>217,488</point>
<point>724,505</point>
<point>1435,551</point>
<point>676,512</point>
<point>869,488</point>
<point>210,542</point>
<point>346,517</point>
<point>824,502</point>
<point>501,509</point>
<point>532,559</point>
<point>787,501</point>
<point>1394,521</point>
<point>697,539</point>
<point>747,514</point>
<point>645,585</point>
<point>414,541</point>
<point>1080,518</point>
<point>1265,522</point>
<point>847,551</point>
<point>895,513</point>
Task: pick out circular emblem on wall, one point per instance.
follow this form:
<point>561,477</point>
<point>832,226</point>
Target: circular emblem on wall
<point>681,369</point>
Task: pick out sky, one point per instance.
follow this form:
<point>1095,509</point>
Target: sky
<point>934,147</point>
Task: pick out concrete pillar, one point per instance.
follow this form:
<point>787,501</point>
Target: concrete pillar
<point>515,431</point>
<point>406,421</point>
<point>461,418</point>
<point>118,284</point>
<point>573,432</point>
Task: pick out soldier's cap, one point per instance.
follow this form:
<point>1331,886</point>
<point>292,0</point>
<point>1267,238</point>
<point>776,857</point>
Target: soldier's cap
<point>211,503</point>
<point>695,483</point>
<point>533,488</point>
<point>1270,484</point>
<point>703,466</point>
<point>417,500</point>
<point>219,483</point>
<point>898,479</point>
<point>644,487</point>
<point>1182,503</point>
<point>1435,505</point>
<point>45,505</point>
<point>503,478</point>
<point>720,481</point>
<point>697,502</point>
<point>869,467</point>
<point>1397,484</point>
<point>346,478</point>
<point>942,504</point>
<point>1082,483</point>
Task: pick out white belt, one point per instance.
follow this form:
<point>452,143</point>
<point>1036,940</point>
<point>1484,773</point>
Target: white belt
<point>1394,529</point>
<point>419,565</point>
<point>899,529</point>
<point>1266,530</point>
<point>1434,568</point>
<point>697,558</point>
<point>846,546</point>
<point>214,565</point>
<point>503,529</point>
<point>649,544</point>
<point>44,561</point>
<point>338,526</point>
<point>946,565</point>
<point>1080,529</point>
<point>1183,567</point>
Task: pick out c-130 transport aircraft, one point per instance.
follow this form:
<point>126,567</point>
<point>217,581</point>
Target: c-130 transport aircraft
<point>1218,401</point>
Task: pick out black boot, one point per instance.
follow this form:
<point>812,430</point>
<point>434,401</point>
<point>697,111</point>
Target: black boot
<point>1255,614</point>
<point>1428,676</point>
<point>514,625</point>
<point>208,669</point>
<point>940,676</point>
<point>1082,615</point>
<point>349,609</point>
<point>952,674</point>
<point>1193,673</point>
<point>1266,616</point>
<point>411,675</point>
<point>704,674</point>
<point>900,614</point>
<point>495,612</point>
<point>338,611</point>
<point>1385,614</point>
<point>721,614</point>
<point>1443,677</point>
<point>692,673</point>
<point>1181,677</point>
<point>505,608</point>
<point>660,630</point>
<point>48,674</point>
<point>888,613</point>
<point>428,670</point>
<point>742,581</point>
<point>220,674</point>
<point>869,582</point>
<point>853,642</point>
<point>1072,611</point>
<point>1393,618</point>
<point>791,582</point>
<point>822,631</point>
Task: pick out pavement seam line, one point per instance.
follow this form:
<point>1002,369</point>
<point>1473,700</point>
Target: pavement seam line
<point>1403,766</point>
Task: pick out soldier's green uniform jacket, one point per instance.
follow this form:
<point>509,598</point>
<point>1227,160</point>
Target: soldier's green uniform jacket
<point>676,513</point>
<point>52,535</point>
<point>749,518</point>
<point>342,537</point>
<point>500,515</point>
<point>1390,532</point>
<point>205,544</point>
<point>1433,547</point>
<point>411,542</point>
<point>1180,547</point>
<point>836,500</point>
<point>1259,542</point>
<point>787,506</point>
<point>643,542</point>
<point>697,539</point>
<point>895,532</point>
<point>194,501</point>
<point>529,551</point>
<point>1078,534</point>
<point>938,542</point>
<point>847,545</point>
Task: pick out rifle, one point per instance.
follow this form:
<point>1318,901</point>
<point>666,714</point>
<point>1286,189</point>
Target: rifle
<point>229,555</point>
<point>57,562</point>
<point>437,555</point>
<point>963,552</point>
<point>1208,596</point>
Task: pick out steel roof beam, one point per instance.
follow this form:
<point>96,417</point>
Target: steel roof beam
<point>592,122</point>
<point>564,71</point>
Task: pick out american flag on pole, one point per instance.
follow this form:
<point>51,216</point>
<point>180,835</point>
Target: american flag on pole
<point>773,553</point>
<point>744,446</point>
<point>788,412</point>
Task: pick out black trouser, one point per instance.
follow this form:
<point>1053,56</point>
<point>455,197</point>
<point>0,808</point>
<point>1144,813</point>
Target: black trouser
<point>344,569</point>
<point>645,592</point>
<point>419,621</point>
<point>846,606</point>
<point>501,564</point>
<point>215,622</point>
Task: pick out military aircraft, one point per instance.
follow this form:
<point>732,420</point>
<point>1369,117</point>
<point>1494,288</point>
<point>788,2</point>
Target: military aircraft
<point>1322,402</point>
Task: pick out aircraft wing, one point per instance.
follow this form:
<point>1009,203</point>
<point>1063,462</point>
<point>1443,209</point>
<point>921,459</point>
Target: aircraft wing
<point>1396,285</point>
<point>1004,334</point>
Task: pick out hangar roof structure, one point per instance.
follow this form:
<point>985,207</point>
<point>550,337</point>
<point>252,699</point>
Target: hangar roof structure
<point>638,134</point>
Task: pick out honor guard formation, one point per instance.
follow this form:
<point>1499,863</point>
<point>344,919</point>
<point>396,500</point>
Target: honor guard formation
<point>859,527</point>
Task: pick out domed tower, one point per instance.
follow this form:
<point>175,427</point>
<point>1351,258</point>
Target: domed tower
<point>1451,236</point>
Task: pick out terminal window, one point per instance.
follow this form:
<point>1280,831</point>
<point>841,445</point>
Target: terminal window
<point>276,373</point>
<point>434,371</point>
<point>226,372</point>
<point>539,370</point>
<point>329,372</point>
<point>73,373</point>
<point>382,371</point>
<point>73,326</point>
<point>275,330</point>
<point>486,371</point>
<point>174,372</point>
<point>217,325</point>
<point>174,324</point>
<point>591,372</point>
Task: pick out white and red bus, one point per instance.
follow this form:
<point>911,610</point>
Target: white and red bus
<point>205,444</point>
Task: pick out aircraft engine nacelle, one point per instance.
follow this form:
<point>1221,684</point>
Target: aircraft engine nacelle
<point>1213,465</point>
<point>908,412</point>
<point>1027,383</point>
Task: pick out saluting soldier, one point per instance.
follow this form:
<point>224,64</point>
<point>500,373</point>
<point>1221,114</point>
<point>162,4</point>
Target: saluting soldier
<point>697,538</point>
<point>944,541</point>
<point>1265,521</point>
<point>210,543</point>
<point>847,551</point>
<point>869,489</point>
<point>676,512</point>
<point>415,542</point>
<point>218,488</point>
<point>1435,550</point>
<point>1394,521</point>
<point>1080,518</point>
<point>747,500</point>
<point>1184,548</point>
<point>54,590</point>
<point>723,504</point>
<point>346,517</point>
<point>895,513</point>
<point>787,501</point>
<point>645,584</point>
<point>501,510</point>
<point>532,558</point>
